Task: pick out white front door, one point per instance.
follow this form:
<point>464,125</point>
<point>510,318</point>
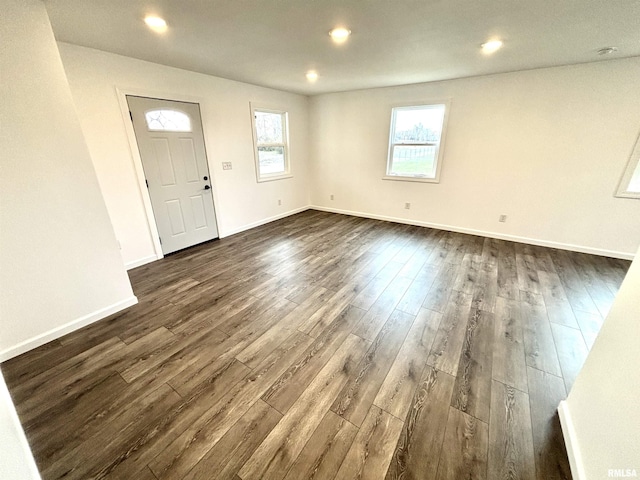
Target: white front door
<point>171,145</point>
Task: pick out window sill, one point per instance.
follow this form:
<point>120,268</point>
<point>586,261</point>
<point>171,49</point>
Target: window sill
<point>635,195</point>
<point>411,179</point>
<point>275,177</point>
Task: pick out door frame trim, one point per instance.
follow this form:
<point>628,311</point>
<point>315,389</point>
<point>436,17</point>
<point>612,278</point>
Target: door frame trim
<point>121,93</point>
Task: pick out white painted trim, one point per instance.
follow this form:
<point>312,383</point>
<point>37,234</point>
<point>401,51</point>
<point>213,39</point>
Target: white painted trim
<point>288,173</point>
<point>228,233</point>
<point>122,93</point>
<point>441,144</point>
<point>398,178</point>
<point>482,233</point>
<point>141,261</point>
<point>137,165</point>
<point>62,330</point>
<point>275,177</point>
<point>571,442</point>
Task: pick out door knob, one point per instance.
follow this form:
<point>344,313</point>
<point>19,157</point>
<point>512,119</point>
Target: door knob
<point>207,187</point>
<point>206,178</point>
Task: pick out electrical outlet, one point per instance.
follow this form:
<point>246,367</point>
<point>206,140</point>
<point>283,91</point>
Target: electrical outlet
<point>226,165</point>
<point>279,202</point>
<point>331,196</point>
<point>407,206</point>
<point>502,218</point>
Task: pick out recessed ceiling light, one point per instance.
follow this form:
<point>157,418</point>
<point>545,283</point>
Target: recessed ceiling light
<point>156,24</point>
<point>340,34</point>
<point>491,46</point>
<point>312,76</point>
<point>607,50</point>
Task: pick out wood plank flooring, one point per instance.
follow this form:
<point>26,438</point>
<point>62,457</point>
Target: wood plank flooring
<point>323,346</point>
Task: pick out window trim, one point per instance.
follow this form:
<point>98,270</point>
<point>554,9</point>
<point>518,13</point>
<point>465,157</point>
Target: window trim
<point>632,164</point>
<point>285,135</point>
<point>440,145</point>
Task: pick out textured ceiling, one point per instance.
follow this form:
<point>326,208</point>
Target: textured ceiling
<point>394,42</point>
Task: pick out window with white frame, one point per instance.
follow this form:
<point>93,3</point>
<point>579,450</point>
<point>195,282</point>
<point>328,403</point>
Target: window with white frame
<point>630,182</point>
<point>416,142</point>
<point>271,142</point>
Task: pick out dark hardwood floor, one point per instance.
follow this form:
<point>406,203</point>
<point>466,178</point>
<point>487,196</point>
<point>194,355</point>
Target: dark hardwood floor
<point>324,346</point>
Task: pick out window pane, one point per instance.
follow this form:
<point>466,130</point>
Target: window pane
<point>271,160</point>
<point>630,182</point>
<point>634,184</point>
<point>418,124</point>
<point>168,120</point>
<point>414,160</point>
<point>269,127</point>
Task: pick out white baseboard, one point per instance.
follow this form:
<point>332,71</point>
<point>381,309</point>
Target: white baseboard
<point>249,226</point>
<point>570,441</point>
<point>482,233</point>
<point>62,330</point>
<point>142,261</point>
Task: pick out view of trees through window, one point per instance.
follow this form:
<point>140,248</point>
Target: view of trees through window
<point>418,133</point>
<point>415,138</point>
<point>269,127</point>
<point>270,138</point>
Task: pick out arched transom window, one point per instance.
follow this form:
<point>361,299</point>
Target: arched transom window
<point>168,120</point>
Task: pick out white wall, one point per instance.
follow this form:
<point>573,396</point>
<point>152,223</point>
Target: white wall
<point>545,147</point>
<point>240,201</point>
<point>16,459</point>
<point>601,417</point>
<point>59,259</point>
